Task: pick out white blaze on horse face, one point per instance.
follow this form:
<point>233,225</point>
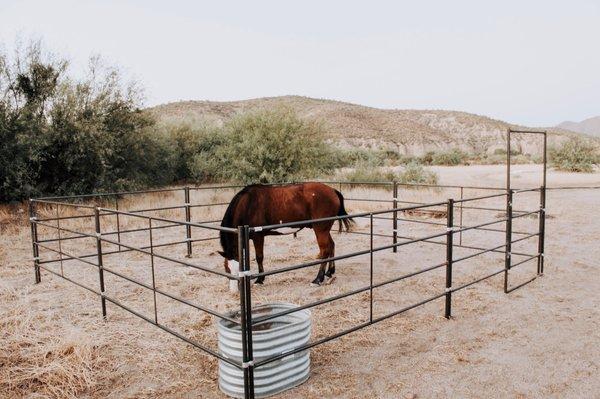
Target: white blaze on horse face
<point>234,266</point>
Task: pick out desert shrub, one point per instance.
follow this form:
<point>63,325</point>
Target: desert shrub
<point>411,173</point>
<point>62,135</point>
<point>416,173</point>
<point>188,144</point>
<point>266,146</point>
<point>574,155</point>
<point>352,157</point>
<point>367,173</point>
<point>502,151</point>
<point>427,158</point>
<point>450,158</point>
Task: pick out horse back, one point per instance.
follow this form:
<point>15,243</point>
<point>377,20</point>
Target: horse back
<point>265,205</point>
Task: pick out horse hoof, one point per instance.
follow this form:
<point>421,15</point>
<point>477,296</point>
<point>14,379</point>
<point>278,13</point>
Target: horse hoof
<point>315,284</point>
<point>261,282</point>
<point>329,280</point>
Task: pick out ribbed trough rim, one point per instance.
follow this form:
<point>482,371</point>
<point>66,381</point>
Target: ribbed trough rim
<point>301,316</point>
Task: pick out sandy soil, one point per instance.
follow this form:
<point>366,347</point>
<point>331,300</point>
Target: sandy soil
<point>542,340</point>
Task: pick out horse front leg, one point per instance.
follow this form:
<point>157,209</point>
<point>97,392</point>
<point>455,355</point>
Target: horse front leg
<point>321,275</point>
<point>259,245</point>
<point>331,268</point>
<point>323,239</point>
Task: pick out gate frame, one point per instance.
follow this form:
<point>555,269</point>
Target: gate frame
<point>542,208</point>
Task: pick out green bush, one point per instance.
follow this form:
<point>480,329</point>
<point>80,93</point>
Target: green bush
<point>412,173</point>
<point>502,151</point>
<point>183,142</point>
<point>265,146</point>
<point>65,136</point>
<point>416,173</point>
<point>427,158</point>
<point>574,155</point>
<point>450,158</point>
<point>352,157</point>
<point>367,173</point>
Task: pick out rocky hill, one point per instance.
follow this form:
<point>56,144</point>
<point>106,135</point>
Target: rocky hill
<point>411,132</point>
<point>590,126</point>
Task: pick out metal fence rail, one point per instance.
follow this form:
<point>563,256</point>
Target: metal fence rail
<point>95,214</point>
<point>393,208</point>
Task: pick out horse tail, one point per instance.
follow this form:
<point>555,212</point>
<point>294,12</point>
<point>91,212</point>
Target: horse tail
<point>347,222</point>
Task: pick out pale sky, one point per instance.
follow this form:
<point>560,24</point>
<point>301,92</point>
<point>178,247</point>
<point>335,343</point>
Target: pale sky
<point>530,62</point>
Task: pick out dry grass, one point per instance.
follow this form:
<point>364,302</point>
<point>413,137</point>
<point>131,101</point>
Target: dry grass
<point>61,365</point>
<point>58,346</point>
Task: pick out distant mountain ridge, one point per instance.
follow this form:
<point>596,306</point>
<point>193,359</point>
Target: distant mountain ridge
<point>589,126</point>
<point>411,132</point>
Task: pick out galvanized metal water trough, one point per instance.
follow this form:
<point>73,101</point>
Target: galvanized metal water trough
<point>270,338</point>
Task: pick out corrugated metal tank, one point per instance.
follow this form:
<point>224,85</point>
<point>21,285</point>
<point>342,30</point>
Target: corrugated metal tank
<point>270,338</point>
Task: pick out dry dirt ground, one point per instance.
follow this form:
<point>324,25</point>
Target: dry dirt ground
<point>542,340</point>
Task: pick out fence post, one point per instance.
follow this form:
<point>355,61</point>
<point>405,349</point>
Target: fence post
<point>188,218</point>
<point>508,242</point>
<point>152,267</point>
<point>395,216</point>
<point>246,310</point>
<point>542,231</point>
<point>60,252</point>
<point>118,221</point>
<point>462,192</point>
<point>100,264</point>
<point>449,245</point>
<point>34,242</point>
<point>371,269</point>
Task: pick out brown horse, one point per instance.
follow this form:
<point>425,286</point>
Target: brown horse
<point>260,205</point>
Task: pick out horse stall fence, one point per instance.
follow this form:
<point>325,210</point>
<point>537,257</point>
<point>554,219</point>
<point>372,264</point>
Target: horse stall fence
<point>87,241</point>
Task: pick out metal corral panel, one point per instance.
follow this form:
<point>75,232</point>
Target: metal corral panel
<point>270,338</point>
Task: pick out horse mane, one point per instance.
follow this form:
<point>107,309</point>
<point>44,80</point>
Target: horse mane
<point>228,241</point>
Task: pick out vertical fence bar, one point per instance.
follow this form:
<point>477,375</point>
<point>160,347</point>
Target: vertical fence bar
<point>246,311</point>
<point>248,285</point>
<point>542,215</point>
<point>60,252</point>
<point>462,190</point>
<point>118,222</point>
<point>243,321</point>
<point>152,266</point>
<point>449,245</point>
<point>188,217</point>
<point>508,242</point>
<point>395,216</point>
<point>508,159</point>
<point>34,242</point>
<point>371,270</point>
<point>100,263</point>
<point>542,231</point>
